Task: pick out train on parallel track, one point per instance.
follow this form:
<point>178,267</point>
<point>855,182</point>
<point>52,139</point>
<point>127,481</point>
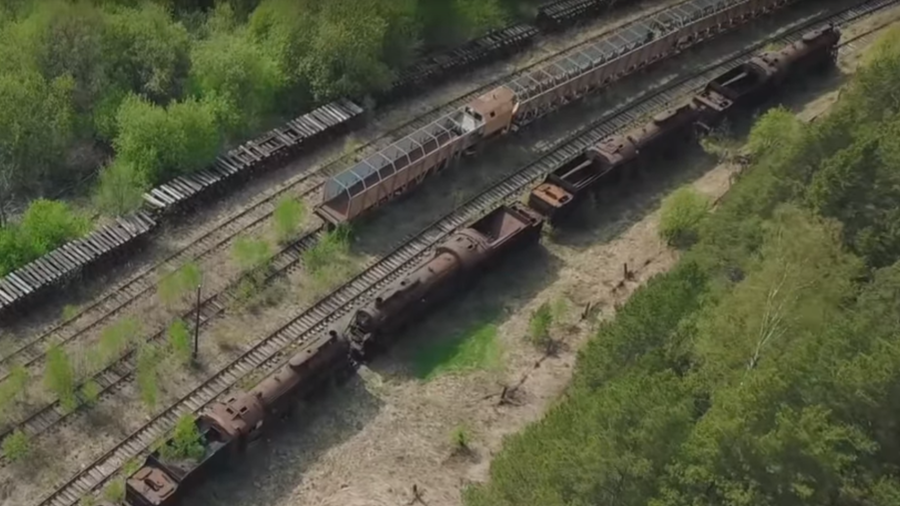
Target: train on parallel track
<point>228,426</point>
<point>21,288</point>
<point>394,171</point>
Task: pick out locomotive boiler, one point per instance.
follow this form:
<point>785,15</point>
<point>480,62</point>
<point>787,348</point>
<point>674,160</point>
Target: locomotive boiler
<point>454,264</point>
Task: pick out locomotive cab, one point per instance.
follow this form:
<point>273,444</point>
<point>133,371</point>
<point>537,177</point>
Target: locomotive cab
<point>495,109</point>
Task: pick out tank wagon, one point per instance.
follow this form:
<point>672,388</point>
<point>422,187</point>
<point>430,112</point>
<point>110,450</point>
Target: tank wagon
<point>227,427</point>
<point>391,173</point>
<point>20,289</point>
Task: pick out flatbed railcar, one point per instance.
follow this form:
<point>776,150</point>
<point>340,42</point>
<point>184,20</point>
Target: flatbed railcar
<point>36,279</point>
<point>558,16</point>
<point>227,427</point>
<point>393,172</point>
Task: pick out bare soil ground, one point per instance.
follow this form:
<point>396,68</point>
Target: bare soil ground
<point>389,430</point>
<point>367,443</point>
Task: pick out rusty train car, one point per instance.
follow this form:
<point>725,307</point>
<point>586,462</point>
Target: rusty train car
<point>228,426</point>
<point>394,171</point>
<point>734,91</point>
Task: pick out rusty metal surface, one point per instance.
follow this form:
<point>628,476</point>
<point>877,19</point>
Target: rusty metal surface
<point>150,486</point>
<point>449,268</point>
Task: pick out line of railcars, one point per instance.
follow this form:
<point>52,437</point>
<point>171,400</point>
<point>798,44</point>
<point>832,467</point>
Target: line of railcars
<point>20,289</point>
<point>226,427</point>
<point>391,173</point>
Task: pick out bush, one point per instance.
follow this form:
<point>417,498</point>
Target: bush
<point>146,375</point>
<point>185,442</point>
<point>59,377</point>
<point>115,490</point>
<point>174,286</point>
<point>232,66</point>
<point>461,438</point>
<point>161,143</point>
<point>250,254</point>
<point>45,226</point>
<point>680,216</point>
<point>539,325</point>
<point>13,387</point>
<point>116,338</point>
<point>16,446</point>
<point>180,341</point>
<point>90,391</point>
<point>287,218</point>
<point>120,189</point>
<point>329,261</point>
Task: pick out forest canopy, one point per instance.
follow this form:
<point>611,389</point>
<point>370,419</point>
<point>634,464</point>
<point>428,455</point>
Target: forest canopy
<point>124,94</point>
<point>765,368</point>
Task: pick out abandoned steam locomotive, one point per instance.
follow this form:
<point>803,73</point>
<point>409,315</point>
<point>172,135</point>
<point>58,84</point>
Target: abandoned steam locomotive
<point>227,427</point>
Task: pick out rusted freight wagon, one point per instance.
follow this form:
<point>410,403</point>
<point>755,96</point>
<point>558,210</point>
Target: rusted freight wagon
<point>751,82</point>
<point>454,264</point>
<point>163,482</point>
<point>401,166</point>
<point>735,90</point>
<point>611,159</point>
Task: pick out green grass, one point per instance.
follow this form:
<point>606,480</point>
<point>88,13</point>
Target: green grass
<point>474,349</point>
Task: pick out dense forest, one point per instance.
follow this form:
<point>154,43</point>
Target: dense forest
<point>765,368</point>
<point>124,94</point>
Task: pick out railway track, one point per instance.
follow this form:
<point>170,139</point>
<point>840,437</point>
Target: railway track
<point>275,348</point>
<point>142,286</point>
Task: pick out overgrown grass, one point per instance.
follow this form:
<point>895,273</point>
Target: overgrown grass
<point>329,262</point>
<point>45,226</point>
<point>287,218</point>
<point>177,285</point>
<point>476,348</point>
